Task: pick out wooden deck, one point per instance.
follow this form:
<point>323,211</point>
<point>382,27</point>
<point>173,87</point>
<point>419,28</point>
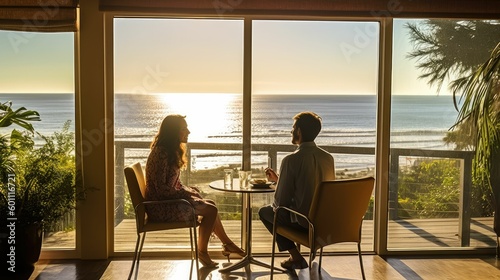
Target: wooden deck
<point>428,233</point>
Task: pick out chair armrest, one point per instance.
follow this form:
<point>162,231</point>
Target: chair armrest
<point>312,229</point>
<point>167,201</point>
<point>279,208</point>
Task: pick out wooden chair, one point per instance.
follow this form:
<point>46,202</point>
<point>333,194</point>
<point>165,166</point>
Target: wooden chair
<point>137,189</point>
<point>336,215</point>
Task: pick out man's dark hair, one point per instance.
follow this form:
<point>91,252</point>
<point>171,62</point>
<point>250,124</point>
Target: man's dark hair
<point>309,124</point>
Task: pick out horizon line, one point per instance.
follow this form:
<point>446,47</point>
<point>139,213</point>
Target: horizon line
<point>284,94</point>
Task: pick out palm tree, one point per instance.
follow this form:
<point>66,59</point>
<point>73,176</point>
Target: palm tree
<point>445,49</point>
<point>479,94</point>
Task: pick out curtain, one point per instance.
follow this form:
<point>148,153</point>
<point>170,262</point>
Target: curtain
<point>39,15</point>
<point>374,8</point>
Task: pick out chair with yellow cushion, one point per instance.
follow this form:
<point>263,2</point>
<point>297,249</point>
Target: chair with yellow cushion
<point>137,189</point>
<point>336,215</point>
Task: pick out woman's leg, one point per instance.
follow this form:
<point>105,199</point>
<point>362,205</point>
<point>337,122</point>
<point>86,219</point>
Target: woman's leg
<point>220,232</point>
<point>209,213</point>
<point>218,227</point>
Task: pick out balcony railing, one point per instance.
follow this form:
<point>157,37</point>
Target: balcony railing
<point>272,150</point>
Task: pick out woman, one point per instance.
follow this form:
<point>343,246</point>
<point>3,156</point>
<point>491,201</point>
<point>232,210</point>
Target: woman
<point>167,158</point>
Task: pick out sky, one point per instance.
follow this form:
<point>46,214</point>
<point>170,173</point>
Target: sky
<point>36,62</point>
<point>206,55</point>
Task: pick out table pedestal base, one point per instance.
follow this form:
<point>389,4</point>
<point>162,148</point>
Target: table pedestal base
<point>247,260</point>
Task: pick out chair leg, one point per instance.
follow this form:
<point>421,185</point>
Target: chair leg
<point>136,253</point>
<point>192,257</point>
<point>191,243</point>
<point>140,248</point>
<point>320,259</point>
<point>272,254</point>
<point>135,256</point>
<point>361,261</point>
<point>311,258</point>
<point>195,253</point>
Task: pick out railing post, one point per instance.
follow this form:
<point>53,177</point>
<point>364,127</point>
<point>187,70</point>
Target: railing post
<point>393,184</point>
<point>119,206</point>
<point>465,196</point>
<point>273,155</point>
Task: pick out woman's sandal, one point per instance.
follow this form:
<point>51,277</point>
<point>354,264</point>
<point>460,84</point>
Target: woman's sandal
<point>205,260</point>
<point>227,251</point>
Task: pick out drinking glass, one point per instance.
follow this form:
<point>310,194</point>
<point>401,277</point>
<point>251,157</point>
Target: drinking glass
<point>228,178</point>
<point>245,177</point>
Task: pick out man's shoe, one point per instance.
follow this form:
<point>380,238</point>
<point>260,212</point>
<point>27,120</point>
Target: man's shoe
<point>292,265</point>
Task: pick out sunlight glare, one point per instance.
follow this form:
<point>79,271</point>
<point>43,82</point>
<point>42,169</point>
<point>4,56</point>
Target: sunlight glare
<point>206,113</point>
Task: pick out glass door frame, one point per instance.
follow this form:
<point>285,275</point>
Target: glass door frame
<point>382,145</point>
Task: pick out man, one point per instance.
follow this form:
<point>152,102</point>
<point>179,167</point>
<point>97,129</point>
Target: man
<point>300,174</point>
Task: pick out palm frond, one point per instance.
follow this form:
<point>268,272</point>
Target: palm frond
<point>21,116</point>
<point>480,95</point>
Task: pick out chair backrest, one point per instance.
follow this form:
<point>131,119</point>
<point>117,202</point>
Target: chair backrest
<point>137,189</point>
<point>338,208</point>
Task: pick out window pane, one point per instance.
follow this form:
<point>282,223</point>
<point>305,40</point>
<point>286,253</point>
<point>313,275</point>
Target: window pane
<point>191,67</point>
<point>37,72</point>
<point>431,183</point>
<point>330,68</point>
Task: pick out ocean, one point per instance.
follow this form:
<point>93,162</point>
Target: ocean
<point>418,122</point>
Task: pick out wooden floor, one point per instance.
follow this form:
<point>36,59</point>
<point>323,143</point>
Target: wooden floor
<point>435,233</point>
<point>340,267</point>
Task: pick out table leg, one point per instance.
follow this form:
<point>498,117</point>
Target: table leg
<point>248,259</point>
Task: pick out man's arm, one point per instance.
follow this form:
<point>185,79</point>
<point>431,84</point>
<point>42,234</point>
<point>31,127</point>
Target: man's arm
<point>284,190</point>
<point>271,175</point>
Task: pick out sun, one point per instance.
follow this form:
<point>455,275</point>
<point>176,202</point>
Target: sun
<point>207,114</point>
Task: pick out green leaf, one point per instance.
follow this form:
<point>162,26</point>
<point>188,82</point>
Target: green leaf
<point>21,116</point>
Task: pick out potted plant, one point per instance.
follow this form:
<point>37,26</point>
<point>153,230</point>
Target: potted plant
<point>37,186</point>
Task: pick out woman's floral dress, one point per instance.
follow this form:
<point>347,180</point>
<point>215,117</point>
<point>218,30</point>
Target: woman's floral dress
<point>162,183</point>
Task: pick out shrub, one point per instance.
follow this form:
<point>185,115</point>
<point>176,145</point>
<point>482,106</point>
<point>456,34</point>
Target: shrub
<point>42,179</point>
<point>430,189</point>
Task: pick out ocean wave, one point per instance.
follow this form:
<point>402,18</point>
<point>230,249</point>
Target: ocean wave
<point>419,132</point>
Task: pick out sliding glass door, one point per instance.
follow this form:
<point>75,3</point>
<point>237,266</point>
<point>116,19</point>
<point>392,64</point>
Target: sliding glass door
<point>192,67</point>
<point>435,200</point>
<point>195,67</point>
<point>319,66</point>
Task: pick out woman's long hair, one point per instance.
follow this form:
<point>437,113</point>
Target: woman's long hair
<point>168,139</point>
